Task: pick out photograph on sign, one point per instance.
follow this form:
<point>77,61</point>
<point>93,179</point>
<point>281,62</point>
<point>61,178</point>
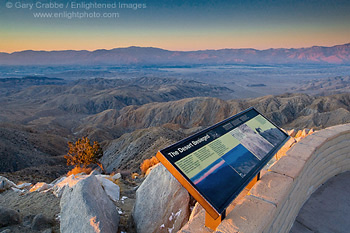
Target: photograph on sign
<point>220,160</point>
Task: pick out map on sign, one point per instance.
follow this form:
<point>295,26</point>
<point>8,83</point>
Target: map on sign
<point>217,163</point>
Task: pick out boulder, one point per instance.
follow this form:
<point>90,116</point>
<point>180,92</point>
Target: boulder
<point>112,190</point>
<point>40,186</point>
<point>26,186</point>
<point>40,222</point>
<point>85,207</point>
<point>8,217</point>
<point>6,184</point>
<point>196,222</point>
<point>117,176</point>
<point>61,183</point>
<point>162,204</point>
<point>18,190</point>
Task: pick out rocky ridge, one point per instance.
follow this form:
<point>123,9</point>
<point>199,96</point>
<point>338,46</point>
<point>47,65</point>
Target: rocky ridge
<point>135,133</point>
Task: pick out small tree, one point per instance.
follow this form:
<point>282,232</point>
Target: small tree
<point>146,164</point>
<point>82,153</point>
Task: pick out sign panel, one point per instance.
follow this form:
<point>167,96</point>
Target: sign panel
<point>217,163</point>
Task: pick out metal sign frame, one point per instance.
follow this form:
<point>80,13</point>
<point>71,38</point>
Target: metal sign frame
<point>171,157</point>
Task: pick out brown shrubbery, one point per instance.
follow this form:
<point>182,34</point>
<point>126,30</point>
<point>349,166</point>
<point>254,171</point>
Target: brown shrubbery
<point>134,175</point>
<point>77,170</point>
<point>148,163</point>
<point>83,153</point>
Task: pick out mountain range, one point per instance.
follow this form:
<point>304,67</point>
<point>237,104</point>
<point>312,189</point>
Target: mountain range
<point>132,118</point>
<point>150,56</point>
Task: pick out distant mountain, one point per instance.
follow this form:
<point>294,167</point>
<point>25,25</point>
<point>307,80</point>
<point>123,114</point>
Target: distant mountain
<point>142,56</point>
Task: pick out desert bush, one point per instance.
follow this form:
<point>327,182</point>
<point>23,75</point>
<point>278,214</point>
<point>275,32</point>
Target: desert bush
<point>77,170</point>
<point>134,175</point>
<point>148,163</point>
<point>83,153</point>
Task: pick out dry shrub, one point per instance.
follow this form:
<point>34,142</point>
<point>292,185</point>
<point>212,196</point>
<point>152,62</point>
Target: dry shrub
<point>77,170</point>
<point>134,175</point>
<point>148,163</point>
<point>83,153</point>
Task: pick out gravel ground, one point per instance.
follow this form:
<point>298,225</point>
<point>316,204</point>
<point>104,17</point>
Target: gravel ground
<point>30,205</point>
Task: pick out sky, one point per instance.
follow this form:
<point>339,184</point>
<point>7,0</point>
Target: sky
<point>172,24</point>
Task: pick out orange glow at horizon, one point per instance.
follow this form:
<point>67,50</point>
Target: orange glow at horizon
<point>257,40</point>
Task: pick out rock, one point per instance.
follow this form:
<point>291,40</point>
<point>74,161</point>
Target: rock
<point>18,190</point>
<point>102,176</point>
<point>95,172</point>
<point>298,134</point>
<point>6,184</point>
<point>40,186</point>
<point>6,231</point>
<point>27,220</point>
<point>85,207</point>
<point>196,210</point>
<point>162,204</point>
<point>196,222</point>
<point>111,189</point>
<point>117,176</point>
<point>24,186</point>
<point>8,217</point>
<point>69,181</point>
<point>58,180</point>
<point>304,133</point>
<point>40,222</point>
<point>49,230</point>
<point>292,132</point>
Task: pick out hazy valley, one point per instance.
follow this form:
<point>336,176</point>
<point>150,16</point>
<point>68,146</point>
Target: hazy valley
<point>134,109</point>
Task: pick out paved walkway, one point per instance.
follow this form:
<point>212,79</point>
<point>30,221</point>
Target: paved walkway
<point>328,208</point>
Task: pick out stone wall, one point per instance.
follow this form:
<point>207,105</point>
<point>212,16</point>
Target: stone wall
<point>274,202</point>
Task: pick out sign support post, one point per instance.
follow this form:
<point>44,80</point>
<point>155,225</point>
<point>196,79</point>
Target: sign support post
<point>212,223</point>
<point>253,182</point>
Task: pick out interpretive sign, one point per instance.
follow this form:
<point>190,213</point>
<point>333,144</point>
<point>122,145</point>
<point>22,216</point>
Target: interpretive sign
<point>216,164</point>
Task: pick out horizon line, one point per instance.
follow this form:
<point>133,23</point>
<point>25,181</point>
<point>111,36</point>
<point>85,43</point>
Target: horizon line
<point>136,46</point>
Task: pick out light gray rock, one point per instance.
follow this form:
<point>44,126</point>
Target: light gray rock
<point>24,186</point>
<point>112,190</point>
<point>117,176</point>
<point>8,217</point>
<point>162,204</point>
<point>95,172</point>
<point>40,187</point>
<point>6,184</point>
<point>85,207</point>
